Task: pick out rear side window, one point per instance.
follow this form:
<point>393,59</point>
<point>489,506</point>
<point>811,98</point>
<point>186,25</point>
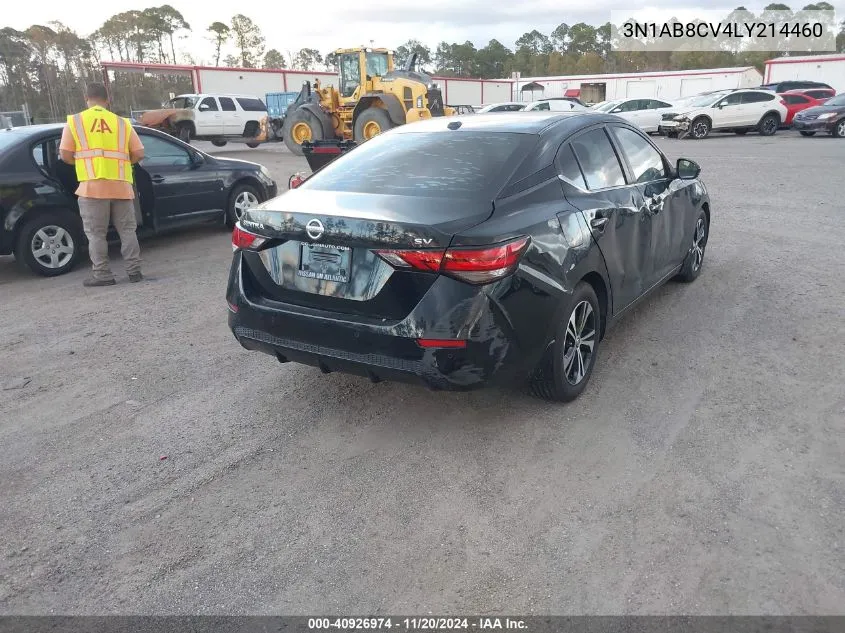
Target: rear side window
<point>209,103</point>
<point>429,164</point>
<point>819,94</point>
<point>646,162</point>
<point>654,104</point>
<point>598,160</point>
<point>795,99</point>
<point>758,97</point>
<point>568,168</point>
<point>251,105</point>
<point>227,105</point>
<point>542,106</point>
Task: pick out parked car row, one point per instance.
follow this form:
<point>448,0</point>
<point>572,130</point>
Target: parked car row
<point>754,109</point>
<point>763,109</point>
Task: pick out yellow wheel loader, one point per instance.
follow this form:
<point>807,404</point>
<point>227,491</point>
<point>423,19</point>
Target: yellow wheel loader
<point>372,96</point>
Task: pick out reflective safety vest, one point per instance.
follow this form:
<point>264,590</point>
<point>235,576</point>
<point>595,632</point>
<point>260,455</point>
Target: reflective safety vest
<point>102,145</point>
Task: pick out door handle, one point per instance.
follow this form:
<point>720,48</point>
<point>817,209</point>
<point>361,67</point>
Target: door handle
<point>157,179</point>
<point>598,223</point>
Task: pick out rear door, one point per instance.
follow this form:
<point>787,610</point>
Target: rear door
<point>182,187</point>
<point>232,120</point>
<point>614,211</point>
<point>653,114</point>
<point>755,104</point>
<point>208,118</point>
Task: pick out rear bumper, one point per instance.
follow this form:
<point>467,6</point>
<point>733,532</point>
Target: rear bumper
<point>495,352</point>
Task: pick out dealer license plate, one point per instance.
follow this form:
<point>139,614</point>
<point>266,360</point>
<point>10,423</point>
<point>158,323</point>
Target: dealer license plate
<point>322,261</point>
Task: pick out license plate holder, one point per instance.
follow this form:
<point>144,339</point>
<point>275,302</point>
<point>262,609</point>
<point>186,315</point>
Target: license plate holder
<point>324,262</point>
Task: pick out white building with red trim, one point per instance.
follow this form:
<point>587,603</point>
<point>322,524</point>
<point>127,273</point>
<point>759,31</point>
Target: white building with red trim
<point>666,85</point>
<point>260,81</point>
<point>829,69</point>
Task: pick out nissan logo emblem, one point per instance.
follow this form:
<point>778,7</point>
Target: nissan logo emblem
<point>315,229</point>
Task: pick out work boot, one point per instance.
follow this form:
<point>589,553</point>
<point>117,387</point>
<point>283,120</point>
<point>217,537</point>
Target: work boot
<point>93,281</point>
<point>135,277</point>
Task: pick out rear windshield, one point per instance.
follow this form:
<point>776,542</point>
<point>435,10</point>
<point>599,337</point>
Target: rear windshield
<point>427,164</point>
<point>838,100</point>
<point>251,105</point>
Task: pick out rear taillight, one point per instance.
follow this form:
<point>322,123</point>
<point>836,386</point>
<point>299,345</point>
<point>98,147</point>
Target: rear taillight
<point>295,181</point>
<point>476,265</point>
<point>241,238</point>
<point>441,343</point>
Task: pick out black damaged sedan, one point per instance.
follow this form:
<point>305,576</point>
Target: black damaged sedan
<point>468,251</point>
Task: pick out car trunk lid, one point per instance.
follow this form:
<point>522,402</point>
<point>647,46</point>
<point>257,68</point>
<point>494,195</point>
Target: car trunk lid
<point>321,248</point>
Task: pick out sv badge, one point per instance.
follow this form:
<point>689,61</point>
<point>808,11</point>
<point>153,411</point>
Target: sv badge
<point>422,241</point>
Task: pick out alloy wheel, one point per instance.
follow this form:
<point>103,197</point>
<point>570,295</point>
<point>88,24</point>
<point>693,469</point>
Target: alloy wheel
<point>698,242</point>
<point>770,125</point>
<point>245,200</point>
<point>52,246</point>
<point>840,128</point>
<point>579,342</point>
<point>699,130</point>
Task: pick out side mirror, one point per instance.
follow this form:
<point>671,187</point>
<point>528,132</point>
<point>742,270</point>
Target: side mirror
<point>687,169</point>
<point>203,107</point>
<point>721,105</point>
<point>197,159</point>
<point>616,110</point>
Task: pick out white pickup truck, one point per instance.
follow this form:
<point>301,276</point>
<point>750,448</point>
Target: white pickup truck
<point>215,118</point>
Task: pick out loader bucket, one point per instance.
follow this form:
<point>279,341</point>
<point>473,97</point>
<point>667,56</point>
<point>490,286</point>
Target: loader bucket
<point>321,153</point>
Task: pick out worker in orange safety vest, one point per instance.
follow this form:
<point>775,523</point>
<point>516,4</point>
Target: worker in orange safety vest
<point>103,147</point>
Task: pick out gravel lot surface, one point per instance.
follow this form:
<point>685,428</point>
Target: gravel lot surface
<point>703,470</point>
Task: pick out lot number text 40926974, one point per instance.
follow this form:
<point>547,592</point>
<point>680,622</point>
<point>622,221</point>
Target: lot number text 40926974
<point>416,624</point>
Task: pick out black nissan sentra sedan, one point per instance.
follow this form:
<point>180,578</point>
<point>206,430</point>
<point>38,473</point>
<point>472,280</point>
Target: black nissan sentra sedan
<point>468,251</point>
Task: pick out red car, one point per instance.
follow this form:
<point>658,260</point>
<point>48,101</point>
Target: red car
<point>797,100</point>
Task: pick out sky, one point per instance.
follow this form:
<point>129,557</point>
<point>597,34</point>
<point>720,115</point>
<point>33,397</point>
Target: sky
<point>386,23</point>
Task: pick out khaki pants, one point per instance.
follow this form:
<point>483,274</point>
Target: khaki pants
<point>96,216</point>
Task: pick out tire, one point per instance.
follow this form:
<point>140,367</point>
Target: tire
<point>839,129</point>
<point>219,143</point>
<point>184,132</point>
<point>60,230</point>
<point>252,145</point>
<point>301,125</point>
<point>741,132</point>
<point>557,377</point>
<point>699,128</point>
<point>695,257</point>
<point>241,198</point>
<point>803,133</point>
<point>371,122</point>
<point>768,125</point>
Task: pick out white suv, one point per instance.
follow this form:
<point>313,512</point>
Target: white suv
<point>728,111</point>
<point>215,118</point>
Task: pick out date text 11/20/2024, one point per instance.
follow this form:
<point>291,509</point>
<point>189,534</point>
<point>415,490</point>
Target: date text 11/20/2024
<point>416,624</point>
